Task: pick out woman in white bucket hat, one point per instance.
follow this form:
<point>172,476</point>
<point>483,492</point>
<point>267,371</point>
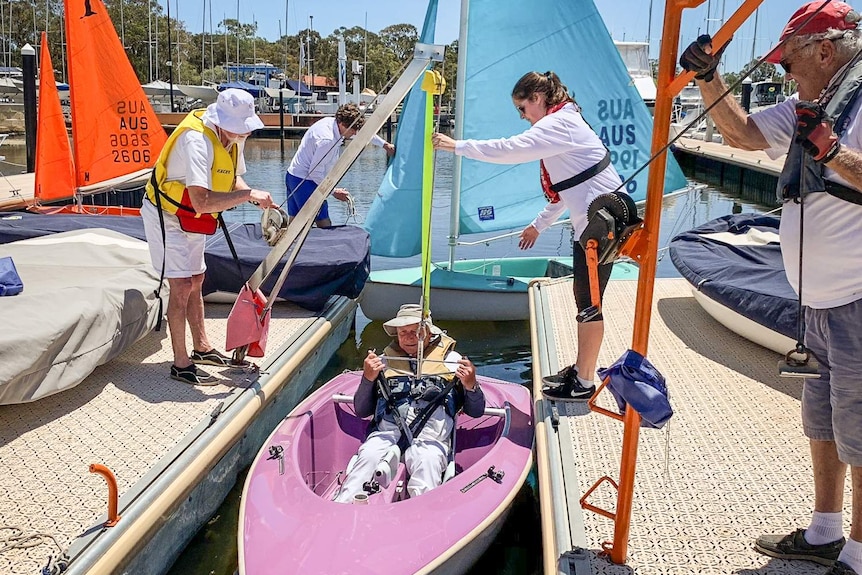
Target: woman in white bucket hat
<point>197,175</point>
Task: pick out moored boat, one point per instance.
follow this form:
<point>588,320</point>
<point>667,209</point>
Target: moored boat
<point>289,524</point>
<point>734,266</point>
<point>473,290</point>
<point>332,261</point>
<point>88,295</point>
<point>498,43</point>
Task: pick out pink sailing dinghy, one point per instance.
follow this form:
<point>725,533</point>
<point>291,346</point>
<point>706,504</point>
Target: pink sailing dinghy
<point>288,523</point>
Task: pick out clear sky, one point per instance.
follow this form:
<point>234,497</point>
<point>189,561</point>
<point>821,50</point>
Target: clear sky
<point>625,19</point>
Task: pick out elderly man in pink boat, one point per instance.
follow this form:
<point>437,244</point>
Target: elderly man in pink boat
<point>414,404</point>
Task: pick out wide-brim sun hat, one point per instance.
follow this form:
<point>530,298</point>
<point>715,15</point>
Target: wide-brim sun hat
<point>834,15</point>
<point>233,111</point>
<point>409,314</point>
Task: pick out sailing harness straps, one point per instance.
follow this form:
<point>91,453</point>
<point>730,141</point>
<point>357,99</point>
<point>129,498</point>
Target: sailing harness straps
<point>408,432</point>
<point>552,191</point>
<point>158,194</point>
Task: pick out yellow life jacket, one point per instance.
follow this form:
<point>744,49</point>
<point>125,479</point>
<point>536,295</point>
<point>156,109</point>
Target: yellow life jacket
<point>174,196</point>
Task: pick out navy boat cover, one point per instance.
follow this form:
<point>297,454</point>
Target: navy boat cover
<point>744,276</point>
<point>333,261</point>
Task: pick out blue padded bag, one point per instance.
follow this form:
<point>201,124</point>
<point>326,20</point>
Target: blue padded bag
<point>635,381</point>
<point>10,281</point>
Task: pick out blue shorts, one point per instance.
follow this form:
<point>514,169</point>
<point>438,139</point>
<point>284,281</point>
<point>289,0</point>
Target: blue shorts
<point>832,403</point>
<point>298,192</point>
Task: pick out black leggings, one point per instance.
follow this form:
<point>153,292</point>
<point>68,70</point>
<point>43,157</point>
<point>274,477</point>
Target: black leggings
<point>582,279</point>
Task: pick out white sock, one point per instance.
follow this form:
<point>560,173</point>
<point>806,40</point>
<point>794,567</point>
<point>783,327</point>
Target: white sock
<point>851,554</point>
<point>824,528</point>
<point>584,382</point>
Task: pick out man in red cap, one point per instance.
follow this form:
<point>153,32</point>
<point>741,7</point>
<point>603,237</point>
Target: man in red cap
<point>820,130</point>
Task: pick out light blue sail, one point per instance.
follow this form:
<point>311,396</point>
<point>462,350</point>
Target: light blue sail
<point>395,216</point>
<point>507,38</point>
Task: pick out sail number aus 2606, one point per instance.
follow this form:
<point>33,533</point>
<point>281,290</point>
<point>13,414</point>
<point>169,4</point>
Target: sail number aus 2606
<point>125,148</point>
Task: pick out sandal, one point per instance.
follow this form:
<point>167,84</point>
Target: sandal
<point>214,357</point>
<point>192,375</point>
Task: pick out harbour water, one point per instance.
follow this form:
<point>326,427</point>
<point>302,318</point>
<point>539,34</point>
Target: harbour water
<point>499,349</point>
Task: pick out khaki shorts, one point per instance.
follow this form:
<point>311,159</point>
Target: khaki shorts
<point>832,403</point>
<point>185,253</point>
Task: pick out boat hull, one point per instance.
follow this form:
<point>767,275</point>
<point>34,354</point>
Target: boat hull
<point>737,275</point>
<point>475,291</point>
<point>290,515</point>
<point>741,325</point>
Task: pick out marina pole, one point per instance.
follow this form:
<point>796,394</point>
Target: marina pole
<point>28,65</point>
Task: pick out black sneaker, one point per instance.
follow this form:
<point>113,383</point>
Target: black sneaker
<point>565,375</point>
<point>794,546</point>
<point>841,568</point>
<point>192,375</point>
<point>569,392</point>
<point>216,358</point>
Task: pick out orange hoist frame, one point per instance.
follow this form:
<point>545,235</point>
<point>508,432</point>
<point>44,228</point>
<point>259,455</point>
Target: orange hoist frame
<point>642,247</point>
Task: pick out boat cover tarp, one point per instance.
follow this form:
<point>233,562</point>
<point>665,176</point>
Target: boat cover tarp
<point>88,295</point>
<point>334,261</point>
<point>732,261</point>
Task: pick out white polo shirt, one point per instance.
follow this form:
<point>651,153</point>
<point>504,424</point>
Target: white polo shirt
<point>319,150</point>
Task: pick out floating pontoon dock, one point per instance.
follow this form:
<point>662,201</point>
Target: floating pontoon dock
<point>174,449</point>
<point>731,464</point>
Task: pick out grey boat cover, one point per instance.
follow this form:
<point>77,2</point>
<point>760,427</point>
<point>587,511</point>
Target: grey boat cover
<point>88,295</point>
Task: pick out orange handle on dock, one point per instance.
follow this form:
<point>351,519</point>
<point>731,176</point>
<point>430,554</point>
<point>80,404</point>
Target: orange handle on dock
<point>113,494</point>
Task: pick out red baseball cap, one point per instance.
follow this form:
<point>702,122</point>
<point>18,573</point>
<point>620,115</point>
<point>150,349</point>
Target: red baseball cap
<point>834,14</point>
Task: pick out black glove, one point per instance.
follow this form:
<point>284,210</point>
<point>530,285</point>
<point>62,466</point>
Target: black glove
<point>814,132</point>
<point>698,57</point>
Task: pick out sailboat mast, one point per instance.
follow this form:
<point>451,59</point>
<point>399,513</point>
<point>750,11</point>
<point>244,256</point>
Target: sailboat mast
<point>212,40</point>
<point>203,39</point>
<point>170,57</point>
<point>454,224</point>
<point>754,36</point>
<point>649,27</point>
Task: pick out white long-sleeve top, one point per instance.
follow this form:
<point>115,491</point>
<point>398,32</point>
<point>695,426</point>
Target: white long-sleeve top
<point>568,146</point>
<point>319,150</point>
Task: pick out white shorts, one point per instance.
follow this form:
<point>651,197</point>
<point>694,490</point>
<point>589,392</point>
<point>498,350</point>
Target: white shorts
<point>185,253</point>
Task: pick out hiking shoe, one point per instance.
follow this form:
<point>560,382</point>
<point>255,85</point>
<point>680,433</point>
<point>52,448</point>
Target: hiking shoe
<point>841,568</point>
<point>214,357</point>
<point>565,375</point>
<point>192,375</point>
<point>794,546</point>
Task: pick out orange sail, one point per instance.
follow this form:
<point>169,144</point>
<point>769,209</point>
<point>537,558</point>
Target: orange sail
<point>55,172</point>
<point>114,128</point>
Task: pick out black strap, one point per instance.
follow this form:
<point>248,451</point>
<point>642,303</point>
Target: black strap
<point>590,172</point>
<point>425,413</point>
<point>843,192</point>
<point>158,292</point>
<point>230,245</point>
